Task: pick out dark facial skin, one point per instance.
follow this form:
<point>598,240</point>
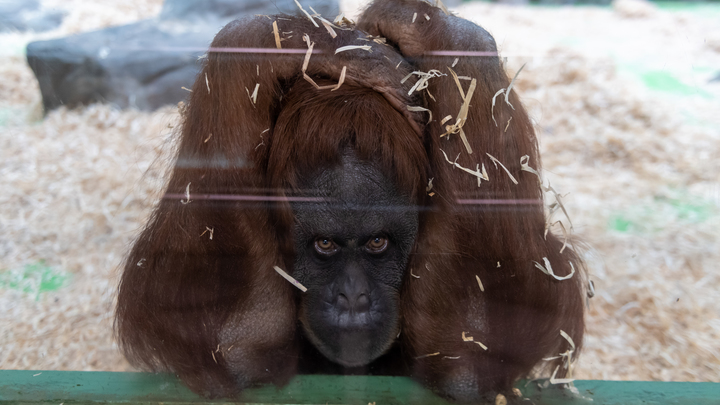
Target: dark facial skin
<point>352,251</point>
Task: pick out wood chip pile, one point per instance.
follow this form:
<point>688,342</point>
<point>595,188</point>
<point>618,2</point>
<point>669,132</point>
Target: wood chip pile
<point>640,167</point>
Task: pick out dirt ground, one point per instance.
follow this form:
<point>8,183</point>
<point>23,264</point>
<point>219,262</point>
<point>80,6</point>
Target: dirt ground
<point>626,113</point>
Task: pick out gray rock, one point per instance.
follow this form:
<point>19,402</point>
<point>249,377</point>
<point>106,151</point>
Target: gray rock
<point>26,15</point>
<point>572,2</point>
<point>195,9</point>
<point>514,2</point>
<point>142,65</point>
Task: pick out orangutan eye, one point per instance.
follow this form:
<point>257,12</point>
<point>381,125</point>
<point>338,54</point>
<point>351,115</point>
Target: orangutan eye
<point>325,246</point>
<point>377,244</point>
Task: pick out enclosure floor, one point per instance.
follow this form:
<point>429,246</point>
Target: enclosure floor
<point>628,124</point>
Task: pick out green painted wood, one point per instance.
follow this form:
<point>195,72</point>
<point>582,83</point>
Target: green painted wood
<point>31,387</point>
<point>24,387</point>
<point>624,393</point>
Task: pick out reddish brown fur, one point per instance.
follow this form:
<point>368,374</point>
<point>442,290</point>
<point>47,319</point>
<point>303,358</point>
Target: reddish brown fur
<point>180,291</point>
<point>525,309</point>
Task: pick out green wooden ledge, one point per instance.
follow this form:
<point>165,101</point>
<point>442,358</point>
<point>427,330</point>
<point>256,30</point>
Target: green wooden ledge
<point>79,387</point>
